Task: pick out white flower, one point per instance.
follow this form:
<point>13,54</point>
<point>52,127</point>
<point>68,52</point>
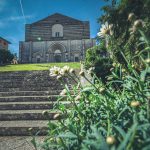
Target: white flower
<point>105,30</point>
<point>72,70</point>
<point>65,70</point>
<point>54,71</point>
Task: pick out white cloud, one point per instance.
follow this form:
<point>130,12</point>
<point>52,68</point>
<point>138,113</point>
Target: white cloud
<point>17,18</point>
<point>7,21</point>
<point>14,18</point>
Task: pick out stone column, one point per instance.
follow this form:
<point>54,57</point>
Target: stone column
<point>30,53</point>
<point>69,53</point>
<point>44,51</point>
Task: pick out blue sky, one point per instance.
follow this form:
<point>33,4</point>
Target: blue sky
<point>12,22</point>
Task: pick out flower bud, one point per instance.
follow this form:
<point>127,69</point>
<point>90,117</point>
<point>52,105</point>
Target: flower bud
<point>63,92</point>
<point>109,78</point>
<point>136,52</point>
<point>133,66</point>
<point>135,104</point>
<point>77,98</point>
<point>59,77</point>
<point>56,116</point>
<point>82,73</point>
<point>114,64</point>
<point>51,139</point>
<point>45,113</point>
<point>147,60</point>
<point>131,16</point>
<point>101,90</point>
<point>138,23</point>
<point>110,140</point>
<point>123,70</point>
<point>30,129</point>
<point>123,78</point>
<point>111,69</point>
<point>58,140</point>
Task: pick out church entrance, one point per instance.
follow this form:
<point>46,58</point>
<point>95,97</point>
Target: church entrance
<point>57,53</point>
<point>57,56</point>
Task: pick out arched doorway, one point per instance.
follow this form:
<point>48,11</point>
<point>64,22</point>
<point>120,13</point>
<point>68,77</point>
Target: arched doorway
<point>57,56</point>
<point>57,52</point>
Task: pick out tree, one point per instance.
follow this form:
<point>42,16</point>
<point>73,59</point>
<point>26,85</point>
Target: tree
<point>125,35</point>
<point>5,56</point>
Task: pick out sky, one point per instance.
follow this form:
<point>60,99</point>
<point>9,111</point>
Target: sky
<point>14,14</point>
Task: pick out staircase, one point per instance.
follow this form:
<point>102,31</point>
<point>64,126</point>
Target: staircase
<point>23,98</point>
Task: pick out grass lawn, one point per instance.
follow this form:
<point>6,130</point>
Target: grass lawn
<point>43,66</point>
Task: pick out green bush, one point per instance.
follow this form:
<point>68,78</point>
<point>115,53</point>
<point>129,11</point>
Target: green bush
<point>126,16</point>
<point>101,116</point>
<point>98,58</point>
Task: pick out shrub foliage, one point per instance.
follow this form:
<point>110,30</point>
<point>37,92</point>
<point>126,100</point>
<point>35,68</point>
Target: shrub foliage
<point>5,56</point>
<point>98,57</point>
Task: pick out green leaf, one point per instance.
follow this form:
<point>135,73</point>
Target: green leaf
<point>127,138</point>
<point>121,131</point>
<point>87,89</point>
<point>69,135</point>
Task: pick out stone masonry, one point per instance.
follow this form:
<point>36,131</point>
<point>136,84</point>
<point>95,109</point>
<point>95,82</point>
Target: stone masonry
<point>56,38</point>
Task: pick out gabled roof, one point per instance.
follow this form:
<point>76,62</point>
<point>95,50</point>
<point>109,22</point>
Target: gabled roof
<point>58,17</point>
<point>5,40</point>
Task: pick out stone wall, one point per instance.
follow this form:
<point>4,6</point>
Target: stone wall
<point>45,50</point>
<point>72,29</point>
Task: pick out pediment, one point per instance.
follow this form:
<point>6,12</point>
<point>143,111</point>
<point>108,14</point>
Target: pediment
<point>57,18</point>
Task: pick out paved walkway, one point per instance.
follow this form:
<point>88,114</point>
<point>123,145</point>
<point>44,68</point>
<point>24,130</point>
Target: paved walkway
<point>18,142</point>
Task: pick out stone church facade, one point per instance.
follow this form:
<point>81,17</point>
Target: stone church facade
<point>57,38</point>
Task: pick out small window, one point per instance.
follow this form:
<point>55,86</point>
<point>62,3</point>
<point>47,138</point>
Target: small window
<point>57,34</point>
<point>76,59</point>
<point>57,30</point>
<point>4,43</point>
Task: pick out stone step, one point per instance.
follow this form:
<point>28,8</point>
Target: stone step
<point>24,73</point>
<point>30,89</point>
<point>24,83</point>
<point>21,99</point>
<point>28,86</point>
<point>30,93</point>
<point>9,115</point>
<point>23,128</point>
<point>28,98</point>
<point>27,105</point>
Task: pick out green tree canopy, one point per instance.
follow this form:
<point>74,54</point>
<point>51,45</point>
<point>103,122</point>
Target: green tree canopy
<point>5,56</point>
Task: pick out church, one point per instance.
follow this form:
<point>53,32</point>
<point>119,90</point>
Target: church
<point>56,38</point>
